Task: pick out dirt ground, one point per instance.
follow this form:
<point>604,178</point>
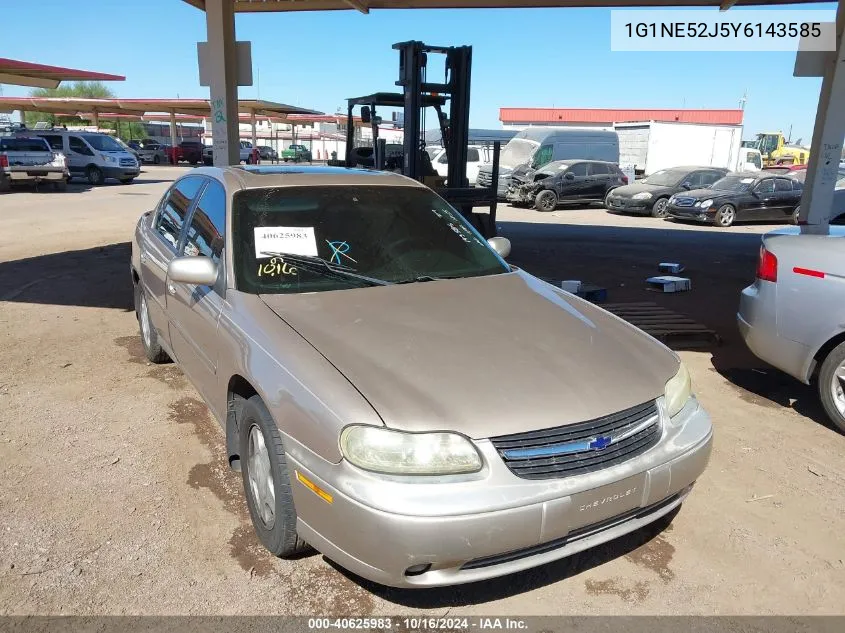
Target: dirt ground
<point>116,498</point>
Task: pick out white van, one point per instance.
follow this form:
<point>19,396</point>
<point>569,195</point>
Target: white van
<point>536,146</point>
<point>91,155</point>
<point>477,155</point>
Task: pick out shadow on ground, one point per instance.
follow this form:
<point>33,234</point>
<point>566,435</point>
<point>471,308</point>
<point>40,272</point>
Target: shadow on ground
<point>95,278</point>
<point>520,582</point>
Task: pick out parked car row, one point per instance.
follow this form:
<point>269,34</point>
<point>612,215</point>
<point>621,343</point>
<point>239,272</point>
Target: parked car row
<point>59,155</point>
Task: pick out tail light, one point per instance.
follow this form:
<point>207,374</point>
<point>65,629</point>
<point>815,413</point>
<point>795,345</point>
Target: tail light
<point>624,179</point>
<point>767,267</point>
<point>4,160</point>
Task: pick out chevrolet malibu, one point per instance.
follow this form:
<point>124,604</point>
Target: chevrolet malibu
<point>395,394</point>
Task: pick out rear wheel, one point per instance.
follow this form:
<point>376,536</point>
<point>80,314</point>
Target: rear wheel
<point>831,386</point>
<point>5,184</point>
<point>795,214</point>
<point>545,201</point>
<point>725,216</point>
<point>267,482</point>
<point>95,175</point>
<point>156,159</point>
<point>659,209</point>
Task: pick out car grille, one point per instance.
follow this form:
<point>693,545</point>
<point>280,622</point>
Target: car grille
<point>576,449</point>
<point>683,202</point>
<point>484,179</point>
<point>127,162</point>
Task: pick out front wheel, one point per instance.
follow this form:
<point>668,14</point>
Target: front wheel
<point>795,214</point>
<point>545,201</point>
<point>659,209</point>
<point>94,175</point>
<point>831,386</point>
<point>156,160</point>
<point>267,480</point>
<point>725,216</point>
<point>149,338</point>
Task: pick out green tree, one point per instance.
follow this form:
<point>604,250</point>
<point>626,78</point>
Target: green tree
<point>83,90</point>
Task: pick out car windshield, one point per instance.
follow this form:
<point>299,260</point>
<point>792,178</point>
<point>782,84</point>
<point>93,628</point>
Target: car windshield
<point>665,177</point>
<point>518,152</point>
<point>395,234</point>
<point>733,183</point>
<point>103,143</point>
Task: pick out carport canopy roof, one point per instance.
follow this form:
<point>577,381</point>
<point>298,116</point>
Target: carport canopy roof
<point>364,6</point>
<point>18,73</point>
<point>194,107</point>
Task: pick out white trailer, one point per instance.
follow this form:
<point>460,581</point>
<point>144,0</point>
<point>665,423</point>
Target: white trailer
<point>652,145</point>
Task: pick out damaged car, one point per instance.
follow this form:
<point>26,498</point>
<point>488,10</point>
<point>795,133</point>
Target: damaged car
<point>565,181</point>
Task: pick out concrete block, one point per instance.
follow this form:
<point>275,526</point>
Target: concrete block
<point>670,268</point>
<point>668,283</point>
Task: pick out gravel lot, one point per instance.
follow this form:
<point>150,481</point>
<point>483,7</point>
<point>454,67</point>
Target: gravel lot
<point>116,498</point>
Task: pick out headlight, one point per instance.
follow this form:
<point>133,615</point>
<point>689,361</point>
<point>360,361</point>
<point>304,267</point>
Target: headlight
<point>705,204</point>
<point>643,195</point>
<point>677,391</point>
<point>108,159</point>
<point>397,453</point>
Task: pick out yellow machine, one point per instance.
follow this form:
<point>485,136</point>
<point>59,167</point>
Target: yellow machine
<point>776,151</point>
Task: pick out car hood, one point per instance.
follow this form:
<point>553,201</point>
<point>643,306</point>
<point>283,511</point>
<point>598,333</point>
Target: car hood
<point>703,194</point>
<point>628,191</point>
<point>483,356</point>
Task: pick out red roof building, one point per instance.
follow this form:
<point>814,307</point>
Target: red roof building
<point>596,117</point>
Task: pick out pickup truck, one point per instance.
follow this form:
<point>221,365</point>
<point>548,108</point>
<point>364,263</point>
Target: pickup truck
<point>246,154</point>
<point>296,153</point>
<point>25,159</point>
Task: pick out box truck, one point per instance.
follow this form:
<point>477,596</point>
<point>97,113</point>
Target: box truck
<point>651,146</point>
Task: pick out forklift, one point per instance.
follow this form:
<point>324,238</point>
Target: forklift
<point>418,94</point>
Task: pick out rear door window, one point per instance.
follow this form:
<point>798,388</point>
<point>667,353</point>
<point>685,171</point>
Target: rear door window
<point>174,208</point>
<point>598,169</point>
<point>782,184</point>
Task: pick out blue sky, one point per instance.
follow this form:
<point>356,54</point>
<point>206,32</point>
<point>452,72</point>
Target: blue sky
<point>527,58</point>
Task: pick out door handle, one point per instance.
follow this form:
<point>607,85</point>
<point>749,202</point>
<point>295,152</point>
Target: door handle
<point>171,288</point>
<point>144,257</point>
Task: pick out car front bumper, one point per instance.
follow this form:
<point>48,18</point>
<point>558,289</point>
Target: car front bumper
<point>629,205</point>
<point>121,172</point>
<point>690,214</point>
<point>757,323</point>
<point>522,193</point>
<point>491,523</point>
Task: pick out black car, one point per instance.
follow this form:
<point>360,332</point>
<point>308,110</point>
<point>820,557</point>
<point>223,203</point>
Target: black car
<point>565,181</point>
<point>740,196</point>
<point>651,194</point>
<point>266,152</point>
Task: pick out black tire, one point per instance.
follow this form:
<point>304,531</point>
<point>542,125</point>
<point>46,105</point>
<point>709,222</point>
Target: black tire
<point>126,181</point>
<point>795,214</point>
<point>546,200</point>
<point>156,159</point>
<point>60,185</point>
<point>5,184</point>
<point>658,209</point>
<point>830,387</point>
<point>149,340</point>
<point>94,175</point>
<point>725,216</point>
<point>280,537</point>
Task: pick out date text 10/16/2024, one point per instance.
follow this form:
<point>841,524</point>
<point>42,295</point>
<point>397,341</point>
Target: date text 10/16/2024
<point>418,623</point>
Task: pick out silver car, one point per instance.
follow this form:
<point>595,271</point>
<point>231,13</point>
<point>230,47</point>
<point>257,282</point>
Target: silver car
<point>394,394</point>
<point>791,316</point>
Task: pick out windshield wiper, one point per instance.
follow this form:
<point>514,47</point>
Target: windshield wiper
<point>324,266</point>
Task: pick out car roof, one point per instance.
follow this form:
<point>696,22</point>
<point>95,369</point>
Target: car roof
<point>262,176</point>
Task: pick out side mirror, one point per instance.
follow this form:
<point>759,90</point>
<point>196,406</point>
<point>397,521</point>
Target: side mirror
<point>365,114</point>
<point>501,245</point>
<point>569,175</point>
<point>200,271</point>
<point>686,185</point>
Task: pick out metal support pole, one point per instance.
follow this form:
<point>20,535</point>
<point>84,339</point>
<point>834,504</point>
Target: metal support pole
<point>173,137</point>
<point>828,136</point>
<point>95,119</point>
<point>252,123</point>
<point>222,58</point>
